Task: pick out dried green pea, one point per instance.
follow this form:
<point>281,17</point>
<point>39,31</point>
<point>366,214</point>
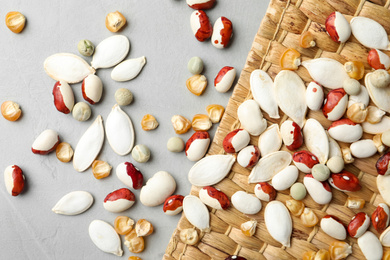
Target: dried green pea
<point>298,191</point>
<point>140,153</point>
<point>86,48</point>
<point>351,86</point>
<point>195,65</point>
<point>123,97</point>
<point>320,172</point>
<point>175,144</point>
<point>81,111</point>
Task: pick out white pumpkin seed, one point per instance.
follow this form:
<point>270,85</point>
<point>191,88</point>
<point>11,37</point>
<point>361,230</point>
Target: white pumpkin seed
<point>269,165</point>
<point>196,212</point>
<point>89,145</point>
<point>334,147</point>
<point>383,185</point>
<point>278,222</point>
<point>270,141</point>
<point>73,203</point>
<point>119,131</point>
<point>385,237</point>
<point>67,67</point>
<point>110,51</point>
<point>290,95</point>
<point>380,96</point>
<point>327,72</point>
<point>128,69</point>
<point>316,139</point>
<point>369,33</point>
<point>262,91</point>
<point>379,128</point>
<point>104,236</point>
<point>211,169</point>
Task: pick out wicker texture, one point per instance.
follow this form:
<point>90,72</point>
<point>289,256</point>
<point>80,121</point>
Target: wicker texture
<point>280,29</point>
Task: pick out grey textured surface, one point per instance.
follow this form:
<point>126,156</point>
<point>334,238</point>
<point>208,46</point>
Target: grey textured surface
<point>159,30</point>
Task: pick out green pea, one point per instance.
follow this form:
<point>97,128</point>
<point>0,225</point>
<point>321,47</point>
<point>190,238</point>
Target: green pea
<point>123,97</point>
<point>140,153</point>
<point>175,144</point>
<point>81,111</point>
<point>86,47</point>
<point>320,172</point>
<point>195,65</point>
<point>298,191</point>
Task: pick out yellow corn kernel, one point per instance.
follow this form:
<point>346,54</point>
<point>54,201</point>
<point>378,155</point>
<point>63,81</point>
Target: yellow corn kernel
<point>15,21</point>
<point>149,122</point>
<point>386,255</point>
<point>143,228</point>
<point>123,225</point>
<point>296,207</point>
<point>307,40</point>
<point>134,243</point>
<point>134,258</point>
<point>201,122</point>
<point>308,255</point>
<point>180,124</point>
<point>115,21</point>
<point>249,228</point>
<point>354,69</point>
<point>10,110</point>
<point>215,112</point>
<point>339,250</point>
<point>357,113</point>
<point>374,115</point>
<point>101,169</point>
<point>309,218</point>
<point>322,254</point>
<point>189,236</point>
<point>355,203</point>
<point>197,84</point>
<point>290,59</point>
<point>64,152</point>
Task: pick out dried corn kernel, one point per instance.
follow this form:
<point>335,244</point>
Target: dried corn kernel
<point>354,69</point>
<point>215,112</point>
<point>64,152</point>
<point>386,255</point>
<point>149,122</point>
<point>357,113</point>
<point>339,250</point>
<point>201,122</point>
<point>309,218</point>
<point>308,255</point>
<point>296,207</point>
<point>290,59</point>
<point>101,169</point>
<point>307,40</point>
<point>143,228</point>
<point>115,21</point>
<point>10,110</point>
<point>374,115</point>
<point>180,124</point>
<point>134,243</point>
<point>134,258</point>
<point>15,21</point>
<point>322,254</point>
<point>355,203</point>
<point>377,139</point>
<point>189,236</point>
<point>249,228</point>
<point>123,225</point>
<point>197,84</point>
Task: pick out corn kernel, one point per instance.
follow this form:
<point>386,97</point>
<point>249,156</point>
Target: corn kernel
<point>308,255</point>
<point>339,250</point>
<point>181,124</point>
<point>115,21</point>
<point>189,236</point>
<point>249,228</point>
<point>134,243</point>
<point>290,59</point>
<point>15,21</point>
<point>101,169</point>
<point>149,122</point>
<point>134,258</point>
<point>64,152</point>
<point>143,228</point>
<point>123,225</point>
<point>307,40</point>
<point>309,218</point>
<point>354,69</point>
<point>322,254</point>
<point>10,110</point>
<point>215,112</point>
<point>296,207</point>
<point>386,255</point>
<point>201,122</point>
<point>197,84</point>
<point>355,203</point>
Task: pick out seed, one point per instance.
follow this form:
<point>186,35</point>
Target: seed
<point>86,48</point>
<point>357,112</point>
<point>180,124</point>
<point>309,218</point>
<point>215,112</point>
<point>115,21</point>
<point>354,69</point>
<point>64,152</point>
<point>143,228</point>
<point>320,172</point>
<point>10,110</point>
<point>355,203</point>
<point>195,65</point>
<point>134,243</point>
<point>123,97</point>
<point>249,228</point>
<point>339,250</point>
<point>189,236</point>
<point>140,153</point>
<point>201,122</point>
<point>351,86</point>
<point>175,144</point>
<point>374,114</point>
<point>290,59</point>
<point>134,258</point>
<point>308,255</point>
<point>101,169</point>
<point>123,225</point>
<point>298,191</point>
<point>296,207</point>
<point>307,40</point>
<point>149,122</point>
<point>15,21</point>
<point>197,84</point>
<point>81,111</point>
<point>322,254</point>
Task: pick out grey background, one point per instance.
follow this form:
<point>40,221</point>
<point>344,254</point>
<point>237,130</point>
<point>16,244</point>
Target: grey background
<point>159,30</point>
